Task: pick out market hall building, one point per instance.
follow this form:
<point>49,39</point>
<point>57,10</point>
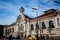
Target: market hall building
<point>46,24</point>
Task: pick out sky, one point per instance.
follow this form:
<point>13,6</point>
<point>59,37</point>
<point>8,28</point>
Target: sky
<point>9,9</point>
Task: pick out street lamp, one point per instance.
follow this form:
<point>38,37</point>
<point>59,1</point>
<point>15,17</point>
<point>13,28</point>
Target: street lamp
<point>37,24</point>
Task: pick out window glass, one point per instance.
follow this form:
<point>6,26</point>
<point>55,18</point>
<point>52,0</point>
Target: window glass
<point>32,27</point>
<point>58,21</point>
<point>21,27</point>
<point>12,29</point>
<point>44,25</point>
<point>37,26</point>
<point>51,24</point>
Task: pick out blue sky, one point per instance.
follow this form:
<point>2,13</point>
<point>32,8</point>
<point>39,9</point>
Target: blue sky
<point>9,9</point>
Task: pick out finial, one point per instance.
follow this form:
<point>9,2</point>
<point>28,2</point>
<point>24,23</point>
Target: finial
<point>21,9</point>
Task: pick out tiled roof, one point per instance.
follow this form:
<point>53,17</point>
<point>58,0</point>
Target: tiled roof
<point>11,25</point>
<point>47,13</point>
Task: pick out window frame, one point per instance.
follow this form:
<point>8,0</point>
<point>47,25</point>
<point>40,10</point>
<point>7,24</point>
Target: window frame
<point>58,21</point>
<point>37,26</point>
<point>43,25</point>
<point>51,24</point>
<point>32,27</point>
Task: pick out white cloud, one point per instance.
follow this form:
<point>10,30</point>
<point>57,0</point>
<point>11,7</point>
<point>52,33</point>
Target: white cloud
<point>4,19</point>
<point>3,14</point>
<point>13,16</point>
<point>13,7</point>
<point>33,3</point>
<point>10,7</point>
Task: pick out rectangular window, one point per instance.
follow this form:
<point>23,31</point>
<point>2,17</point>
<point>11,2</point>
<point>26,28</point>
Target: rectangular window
<point>10,30</point>
<point>5,31</point>
<point>58,21</point>
<point>59,12</point>
<point>13,29</point>
<point>32,27</point>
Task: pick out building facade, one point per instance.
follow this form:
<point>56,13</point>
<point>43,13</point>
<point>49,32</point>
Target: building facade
<point>46,24</point>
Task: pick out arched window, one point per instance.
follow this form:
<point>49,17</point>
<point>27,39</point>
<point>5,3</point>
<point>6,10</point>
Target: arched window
<point>37,26</point>
<point>12,29</point>
<point>21,27</point>
<point>58,21</point>
<point>44,25</point>
<point>32,27</point>
<point>51,24</point>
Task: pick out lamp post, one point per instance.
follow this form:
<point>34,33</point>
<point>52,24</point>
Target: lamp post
<point>37,25</point>
<point>35,10</point>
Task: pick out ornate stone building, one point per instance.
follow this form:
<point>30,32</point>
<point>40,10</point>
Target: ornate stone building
<point>48,23</point>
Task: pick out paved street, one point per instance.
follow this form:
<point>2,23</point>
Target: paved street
<point>15,39</point>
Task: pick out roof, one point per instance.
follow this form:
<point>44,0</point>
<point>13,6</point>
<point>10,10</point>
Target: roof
<point>51,10</point>
<point>27,16</point>
<point>18,18</point>
<point>11,25</point>
<point>47,13</point>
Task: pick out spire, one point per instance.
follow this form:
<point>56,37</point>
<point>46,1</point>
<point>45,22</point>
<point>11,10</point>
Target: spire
<point>21,9</point>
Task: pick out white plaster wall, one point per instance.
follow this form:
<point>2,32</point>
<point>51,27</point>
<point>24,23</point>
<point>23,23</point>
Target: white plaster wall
<point>27,28</point>
<point>57,32</point>
<point>15,30</point>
